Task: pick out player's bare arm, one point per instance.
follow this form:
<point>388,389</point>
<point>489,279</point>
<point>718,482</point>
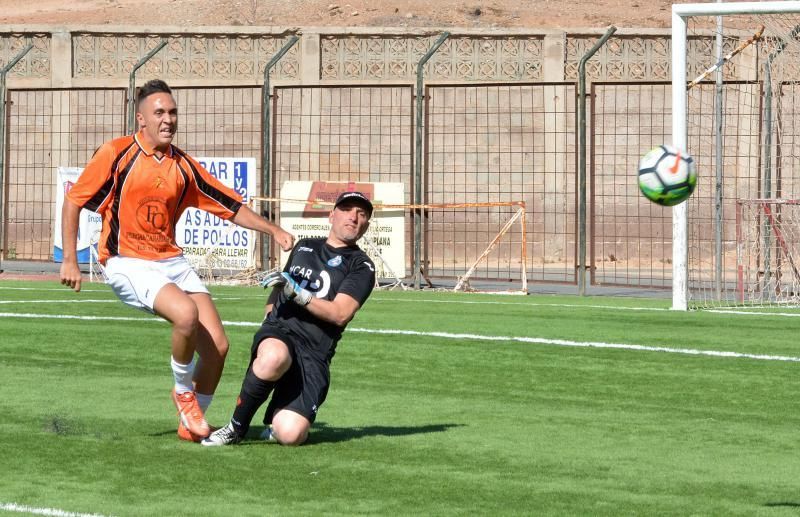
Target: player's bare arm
<point>249,219</point>
<point>339,311</point>
<point>70,272</point>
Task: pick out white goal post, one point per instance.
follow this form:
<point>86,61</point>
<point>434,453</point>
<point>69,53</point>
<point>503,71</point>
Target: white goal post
<point>681,14</point>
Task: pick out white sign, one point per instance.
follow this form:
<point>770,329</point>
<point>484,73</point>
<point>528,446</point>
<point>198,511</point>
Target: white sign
<point>384,242</point>
<point>90,223</point>
<point>204,236</point>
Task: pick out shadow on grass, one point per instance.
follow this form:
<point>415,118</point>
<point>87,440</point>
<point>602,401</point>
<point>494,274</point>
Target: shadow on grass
<point>324,433</point>
<point>786,504</point>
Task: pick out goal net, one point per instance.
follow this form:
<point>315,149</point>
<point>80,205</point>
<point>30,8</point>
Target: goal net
<point>768,251</point>
<point>735,93</point>
<point>473,247</point>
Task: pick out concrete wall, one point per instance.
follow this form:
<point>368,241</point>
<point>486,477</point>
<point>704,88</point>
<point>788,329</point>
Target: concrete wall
<point>103,56</point>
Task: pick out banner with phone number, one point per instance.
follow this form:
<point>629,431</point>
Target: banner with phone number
<point>201,234</point>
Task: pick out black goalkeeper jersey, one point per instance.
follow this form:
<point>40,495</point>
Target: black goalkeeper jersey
<point>325,271</point>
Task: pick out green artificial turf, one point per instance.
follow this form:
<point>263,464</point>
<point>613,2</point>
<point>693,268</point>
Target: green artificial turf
<point>440,404</point>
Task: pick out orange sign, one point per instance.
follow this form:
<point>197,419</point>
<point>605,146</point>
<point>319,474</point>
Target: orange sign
<point>325,192</point>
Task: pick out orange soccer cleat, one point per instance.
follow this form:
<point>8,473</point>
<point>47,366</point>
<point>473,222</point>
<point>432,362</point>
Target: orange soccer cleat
<point>187,436</point>
<point>190,413</point>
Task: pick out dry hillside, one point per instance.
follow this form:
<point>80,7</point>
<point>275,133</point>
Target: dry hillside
<point>342,13</point>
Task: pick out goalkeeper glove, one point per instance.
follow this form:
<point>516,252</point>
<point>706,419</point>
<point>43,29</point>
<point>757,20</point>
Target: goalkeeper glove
<point>272,279</point>
<point>294,292</point>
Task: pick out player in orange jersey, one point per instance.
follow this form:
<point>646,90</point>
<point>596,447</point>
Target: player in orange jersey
<point>140,184</point>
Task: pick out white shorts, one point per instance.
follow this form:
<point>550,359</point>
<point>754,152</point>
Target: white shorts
<point>137,281</point>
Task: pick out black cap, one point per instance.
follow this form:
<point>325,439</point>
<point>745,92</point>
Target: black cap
<point>357,198</point>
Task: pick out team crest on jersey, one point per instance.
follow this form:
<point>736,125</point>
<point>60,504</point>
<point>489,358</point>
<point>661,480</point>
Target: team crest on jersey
<point>152,214</point>
<point>335,261</point>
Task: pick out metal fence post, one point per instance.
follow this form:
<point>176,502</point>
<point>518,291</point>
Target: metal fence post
<point>418,161</point>
<point>131,121</point>
<point>266,130</point>
<point>582,159</point>
<point>3,137</point>
<point>768,123</point>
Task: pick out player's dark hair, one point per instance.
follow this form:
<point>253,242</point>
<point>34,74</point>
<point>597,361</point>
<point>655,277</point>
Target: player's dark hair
<point>149,88</point>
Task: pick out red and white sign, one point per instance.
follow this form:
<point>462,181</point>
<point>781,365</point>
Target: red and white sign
<point>384,242</point>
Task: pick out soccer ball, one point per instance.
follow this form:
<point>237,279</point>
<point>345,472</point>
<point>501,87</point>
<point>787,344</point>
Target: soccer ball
<point>666,175</point>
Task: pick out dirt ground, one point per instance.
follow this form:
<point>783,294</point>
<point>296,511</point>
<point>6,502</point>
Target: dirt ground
<point>344,13</point>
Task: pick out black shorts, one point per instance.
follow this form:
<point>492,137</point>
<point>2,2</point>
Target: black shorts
<point>304,386</point>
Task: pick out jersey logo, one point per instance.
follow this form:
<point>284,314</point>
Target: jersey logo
<point>335,261</point>
<point>303,276</point>
<point>303,248</point>
<point>152,214</point>
<point>320,287</point>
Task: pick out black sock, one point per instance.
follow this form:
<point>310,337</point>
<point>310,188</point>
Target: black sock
<point>254,392</point>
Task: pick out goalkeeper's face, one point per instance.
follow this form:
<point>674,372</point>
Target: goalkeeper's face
<point>348,223</point>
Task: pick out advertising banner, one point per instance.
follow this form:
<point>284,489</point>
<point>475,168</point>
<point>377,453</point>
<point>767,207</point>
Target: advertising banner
<point>90,222</point>
<point>384,242</point>
<point>201,234</point>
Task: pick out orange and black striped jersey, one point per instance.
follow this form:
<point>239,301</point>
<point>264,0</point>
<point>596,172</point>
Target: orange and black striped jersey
<point>141,197</point>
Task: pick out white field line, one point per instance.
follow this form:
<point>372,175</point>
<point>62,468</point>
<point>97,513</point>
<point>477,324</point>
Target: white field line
<point>579,306</point>
<point>425,300</point>
<point>449,335</point>
<point>63,289</point>
<point>582,344</point>
<point>75,317</point>
<point>57,301</point>
<point>534,304</point>
<point>754,313</point>
<point>14,507</point>
<point>108,291</point>
<point>523,304</point>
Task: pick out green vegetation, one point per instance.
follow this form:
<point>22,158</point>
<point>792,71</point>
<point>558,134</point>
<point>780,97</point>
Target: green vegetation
<point>415,424</point>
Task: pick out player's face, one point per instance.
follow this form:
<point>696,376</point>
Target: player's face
<point>348,223</point>
<point>158,118</point>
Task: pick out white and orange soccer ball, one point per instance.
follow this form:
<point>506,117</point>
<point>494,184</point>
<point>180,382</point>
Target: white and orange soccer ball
<point>666,175</point>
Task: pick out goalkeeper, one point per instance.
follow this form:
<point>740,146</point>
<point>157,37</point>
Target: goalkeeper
<point>323,285</point>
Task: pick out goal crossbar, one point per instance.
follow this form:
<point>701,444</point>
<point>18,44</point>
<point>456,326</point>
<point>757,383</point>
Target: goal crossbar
<point>719,9</point>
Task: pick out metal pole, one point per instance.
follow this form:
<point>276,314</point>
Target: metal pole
<point>418,161</point>
<point>582,158</point>
<point>3,72</point>
<point>718,129</point>
<point>130,129</point>
<point>266,114</point>
<point>767,185</point>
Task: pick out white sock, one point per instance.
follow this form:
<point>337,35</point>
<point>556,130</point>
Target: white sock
<point>203,401</point>
<point>183,375</point>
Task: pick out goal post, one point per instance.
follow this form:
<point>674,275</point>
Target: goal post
<point>693,130</point>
